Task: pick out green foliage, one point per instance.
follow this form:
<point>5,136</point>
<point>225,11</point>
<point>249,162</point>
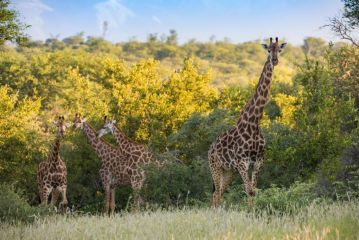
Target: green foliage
<point>197,134</point>
<point>351,8</point>
<point>274,199</point>
<point>287,200</point>
<point>321,119</point>
<point>14,208</point>
<point>178,184</point>
<point>21,140</point>
<point>11,29</point>
<point>179,105</point>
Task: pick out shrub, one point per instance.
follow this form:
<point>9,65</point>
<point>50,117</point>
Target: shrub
<point>274,198</point>
<point>14,208</point>
<point>177,184</point>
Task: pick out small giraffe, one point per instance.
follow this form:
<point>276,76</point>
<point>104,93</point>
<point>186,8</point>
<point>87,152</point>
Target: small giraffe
<point>115,168</point>
<point>52,173</point>
<point>243,144</point>
<point>137,155</point>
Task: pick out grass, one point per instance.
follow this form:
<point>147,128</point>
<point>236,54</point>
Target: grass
<point>317,221</point>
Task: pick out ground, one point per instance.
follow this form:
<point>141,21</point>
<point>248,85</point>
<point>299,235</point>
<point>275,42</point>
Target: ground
<point>318,221</point>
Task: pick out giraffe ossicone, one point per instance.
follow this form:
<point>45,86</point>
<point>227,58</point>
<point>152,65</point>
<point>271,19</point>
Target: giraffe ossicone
<point>234,150</point>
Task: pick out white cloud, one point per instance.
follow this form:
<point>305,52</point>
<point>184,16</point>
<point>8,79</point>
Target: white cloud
<point>31,11</point>
<point>156,19</point>
<point>113,12</point>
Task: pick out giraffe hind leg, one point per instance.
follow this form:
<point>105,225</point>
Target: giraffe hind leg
<point>107,199</point>
<point>54,197</point>
<point>216,172</point>
<point>226,180</point>
<point>45,192</point>
<point>112,201</point>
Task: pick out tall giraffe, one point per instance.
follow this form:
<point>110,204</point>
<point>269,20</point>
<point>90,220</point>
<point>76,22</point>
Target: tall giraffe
<point>115,171</point>
<point>52,173</point>
<point>243,144</point>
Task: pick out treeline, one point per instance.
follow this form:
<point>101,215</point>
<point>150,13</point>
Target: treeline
<point>177,99</point>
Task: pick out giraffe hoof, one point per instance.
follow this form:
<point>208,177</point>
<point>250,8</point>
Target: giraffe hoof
<point>252,193</point>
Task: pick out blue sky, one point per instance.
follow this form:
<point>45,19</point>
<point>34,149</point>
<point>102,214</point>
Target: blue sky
<point>238,20</point>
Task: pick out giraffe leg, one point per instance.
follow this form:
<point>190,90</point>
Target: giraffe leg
<point>243,171</point>
<point>54,197</point>
<point>227,177</point>
<point>107,199</point>
<point>45,192</point>
<point>257,167</point>
<point>113,202</point>
<point>137,183</point>
<point>64,202</point>
<point>216,172</point>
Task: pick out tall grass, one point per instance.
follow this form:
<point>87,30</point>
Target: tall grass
<point>317,221</point>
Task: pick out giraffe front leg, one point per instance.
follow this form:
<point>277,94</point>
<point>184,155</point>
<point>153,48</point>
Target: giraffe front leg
<point>113,202</point>
<point>243,171</point>
<point>63,204</point>
<point>137,183</point>
<point>256,169</point>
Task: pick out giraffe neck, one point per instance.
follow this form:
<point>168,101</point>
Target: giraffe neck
<point>100,147</point>
<point>121,139</point>
<point>253,111</point>
<point>55,151</point>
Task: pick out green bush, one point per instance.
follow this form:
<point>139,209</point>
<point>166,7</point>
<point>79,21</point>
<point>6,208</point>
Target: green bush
<point>177,184</point>
<point>285,199</point>
<point>14,208</point>
<point>274,199</point>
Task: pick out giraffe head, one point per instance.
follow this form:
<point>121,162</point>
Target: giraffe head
<point>79,121</point>
<point>107,127</point>
<point>61,125</point>
<point>274,49</point>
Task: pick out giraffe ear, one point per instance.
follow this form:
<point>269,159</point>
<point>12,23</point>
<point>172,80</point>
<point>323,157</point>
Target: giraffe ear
<point>265,46</point>
<point>282,46</point>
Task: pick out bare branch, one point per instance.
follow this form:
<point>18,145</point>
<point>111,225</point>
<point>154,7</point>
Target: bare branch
<point>342,29</point>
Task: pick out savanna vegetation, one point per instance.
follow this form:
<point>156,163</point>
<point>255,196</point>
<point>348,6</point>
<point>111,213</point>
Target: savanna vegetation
<point>177,98</point>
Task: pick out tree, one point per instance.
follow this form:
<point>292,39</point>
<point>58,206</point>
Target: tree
<point>172,38</point>
<point>346,24</point>
<point>321,120</point>
<point>11,29</point>
<point>351,11</point>
<point>314,47</point>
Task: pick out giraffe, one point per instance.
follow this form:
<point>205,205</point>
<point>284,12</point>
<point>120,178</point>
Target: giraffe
<point>135,151</point>
<point>115,170</point>
<point>52,173</point>
<point>137,155</point>
<point>243,144</point>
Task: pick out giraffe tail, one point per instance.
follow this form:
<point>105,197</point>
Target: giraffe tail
<point>213,188</point>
